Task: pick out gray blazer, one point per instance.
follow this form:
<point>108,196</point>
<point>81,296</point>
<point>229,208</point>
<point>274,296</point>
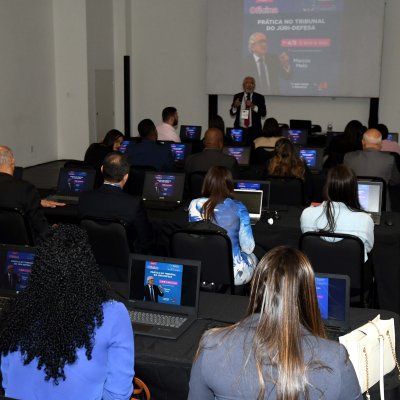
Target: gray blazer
<point>220,372</point>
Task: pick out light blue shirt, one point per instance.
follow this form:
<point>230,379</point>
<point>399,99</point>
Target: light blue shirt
<point>108,375</point>
<point>233,216</point>
<point>350,222</point>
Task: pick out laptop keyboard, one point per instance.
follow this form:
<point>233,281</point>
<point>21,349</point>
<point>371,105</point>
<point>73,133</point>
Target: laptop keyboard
<point>152,318</point>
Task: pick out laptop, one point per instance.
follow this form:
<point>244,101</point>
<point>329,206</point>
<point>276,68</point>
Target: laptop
<point>313,157</point>
<point>393,137</point>
<point>296,136</point>
<point>235,135</point>
<point>252,199</point>
<point>191,133</point>
<point>370,198</point>
<point>242,154</point>
<point>72,182</point>
<point>163,190</point>
<point>265,186</point>
<point>333,294</point>
<point>180,152</point>
<point>176,309</point>
<point>301,124</point>
<point>124,145</point>
<point>15,268</point>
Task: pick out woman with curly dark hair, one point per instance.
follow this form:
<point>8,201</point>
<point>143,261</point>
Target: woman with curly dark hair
<point>64,337</point>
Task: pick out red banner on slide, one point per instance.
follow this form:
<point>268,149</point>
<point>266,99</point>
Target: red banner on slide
<point>306,42</point>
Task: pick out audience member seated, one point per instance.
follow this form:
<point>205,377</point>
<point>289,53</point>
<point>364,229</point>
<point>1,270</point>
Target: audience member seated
<point>279,350</point>
<point>341,211</point>
<point>216,121</point>
<point>148,152</point>
<point>387,145</point>
<point>271,133</point>
<point>349,141</point>
<point>110,201</point>
<point>17,193</point>
<point>211,155</point>
<point>167,130</point>
<point>64,337</point>
<point>372,162</point>
<point>219,206</point>
<point>287,163</point>
<point>97,151</point>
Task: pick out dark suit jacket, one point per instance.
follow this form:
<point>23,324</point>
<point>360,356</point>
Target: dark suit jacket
<point>275,72</point>
<point>23,195</point>
<point>157,292</point>
<point>257,100</point>
<point>111,202</point>
<point>154,154</point>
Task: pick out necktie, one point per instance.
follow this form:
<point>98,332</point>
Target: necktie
<point>247,120</point>
<point>152,293</point>
<point>263,73</point>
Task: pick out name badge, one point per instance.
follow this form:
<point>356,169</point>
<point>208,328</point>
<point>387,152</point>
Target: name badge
<point>245,114</point>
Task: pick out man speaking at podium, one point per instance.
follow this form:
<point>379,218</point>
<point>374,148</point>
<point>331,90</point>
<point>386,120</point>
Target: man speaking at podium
<point>152,291</point>
<point>248,108</point>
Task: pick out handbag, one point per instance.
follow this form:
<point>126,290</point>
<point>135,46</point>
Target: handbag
<point>372,352</point>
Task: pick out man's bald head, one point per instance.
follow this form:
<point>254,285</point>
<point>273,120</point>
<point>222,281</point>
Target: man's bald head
<point>372,139</point>
<point>7,161</point>
<point>213,139</point>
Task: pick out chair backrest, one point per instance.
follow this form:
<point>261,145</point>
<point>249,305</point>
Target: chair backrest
<point>287,191</point>
<point>15,227</point>
<point>212,248</point>
<point>135,182</point>
<point>343,256</point>
<point>110,245</point>
<point>377,179</point>
<point>195,180</point>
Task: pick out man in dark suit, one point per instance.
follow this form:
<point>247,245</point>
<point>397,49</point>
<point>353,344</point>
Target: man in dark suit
<point>266,67</point>
<point>17,193</point>
<point>211,155</point>
<point>248,107</point>
<point>152,291</point>
<point>148,152</point>
<point>109,201</point>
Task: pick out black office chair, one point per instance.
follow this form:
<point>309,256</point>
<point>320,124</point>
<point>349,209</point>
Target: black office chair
<point>384,189</point>
<point>261,155</point>
<point>288,191</point>
<point>110,244</point>
<point>345,256</point>
<point>135,182</point>
<point>15,227</point>
<point>195,183</point>
<point>213,249</point>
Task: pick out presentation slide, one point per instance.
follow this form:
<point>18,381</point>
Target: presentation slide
<point>178,151</point>
<point>169,277</point>
<point>19,266</point>
<point>164,186</point>
<point>75,181</point>
<point>309,157</point>
<point>248,185</point>
<point>296,48</point>
<point>322,287</point>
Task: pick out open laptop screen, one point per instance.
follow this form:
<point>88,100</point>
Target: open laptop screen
<point>190,132</point>
<point>15,266</point>
<point>180,151</point>
<point>296,136</point>
<point>370,196</point>
<point>179,279</point>
<point>333,293</point>
<point>235,135</point>
<point>166,186</point>
<point>123,146</point>
<point>252,199</point>
<point>254,185</point>
<point>242,154</point>
<point>393,137</point>
<point>73,181</point>
<point>313,157</point>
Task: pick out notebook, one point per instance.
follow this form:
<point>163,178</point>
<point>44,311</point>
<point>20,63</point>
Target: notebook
<point>190,133</point>
<point>313,157</point>
<point>180,152</point>
<point>179,282</point>
<point>265,186</point>
<point>72,182</point>
<point>393,137</point>
<point>15,268</point>
<point>242,154</point>
<point>370,198</point>
<point>252,199</point>
<point>235,135</point>
<point>333,294</point>
<point>296,136</point>
<point>163,190</point>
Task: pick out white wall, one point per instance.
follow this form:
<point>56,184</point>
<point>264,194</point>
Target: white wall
<point>71,77</point>
<point>27,82</point>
